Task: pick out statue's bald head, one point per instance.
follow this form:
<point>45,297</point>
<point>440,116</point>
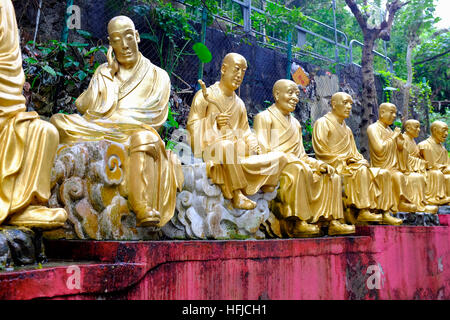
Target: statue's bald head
<point>120,22</point>
<point>386,106</point>
<point>233,58</point>
<point>438,125</point>
<point>411,123</point>
<point>439,131</point>
<point>341,105</point>
<point>339,97</point>
<point>232,71</point>
<point>283,84</point>
<point>412,128</point>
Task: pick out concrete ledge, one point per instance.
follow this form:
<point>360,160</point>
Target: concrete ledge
<point>380,262</point>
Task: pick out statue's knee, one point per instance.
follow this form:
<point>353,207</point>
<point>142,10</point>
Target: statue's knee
<point>144,137</point>
<point>48,130</point>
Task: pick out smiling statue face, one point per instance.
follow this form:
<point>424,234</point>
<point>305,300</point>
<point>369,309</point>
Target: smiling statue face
<point>341,104</point>
<point>286,94</point>
<point>124,40</point>
<point>233,70</point>
<point>439,131</point>
<point>388,113</point>
<point>412,128</point>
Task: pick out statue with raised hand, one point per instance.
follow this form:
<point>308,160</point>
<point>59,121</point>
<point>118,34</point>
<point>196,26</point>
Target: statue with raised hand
<point>27,143</point>
<point>127,102</point>
<point>310,192</point>
<point>221,136</point>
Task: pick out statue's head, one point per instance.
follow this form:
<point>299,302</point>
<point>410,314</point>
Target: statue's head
<point>285,92</point>
<point>387,113</point>
<point>412,128</point>
<point>439,131</point>
<point>233,70</point>
<point>341,105</point>
<point>123,40</point>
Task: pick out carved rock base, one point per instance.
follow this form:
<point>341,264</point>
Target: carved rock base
<point>88,181</point>
<point>202,212</point>
<point>418,219</point>
<point>444,210</point>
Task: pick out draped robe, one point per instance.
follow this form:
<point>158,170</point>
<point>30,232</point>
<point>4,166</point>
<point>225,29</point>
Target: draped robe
<point>226,152</point>
<point>130,112</point>
<point>365,188</point>
<point>438,162</point>
<point>303,192</point>
<point>27,144</point>
<point>385,154</point>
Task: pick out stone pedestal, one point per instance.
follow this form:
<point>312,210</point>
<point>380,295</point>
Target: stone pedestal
<point>88,180</point>
<point>202,212</point>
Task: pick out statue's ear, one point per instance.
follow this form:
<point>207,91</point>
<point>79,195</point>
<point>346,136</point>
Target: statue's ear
<point>276,94</point>
<point>138,37</point>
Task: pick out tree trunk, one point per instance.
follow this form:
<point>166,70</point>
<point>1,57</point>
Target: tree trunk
<point>407,86</point>
<point>369,92</point>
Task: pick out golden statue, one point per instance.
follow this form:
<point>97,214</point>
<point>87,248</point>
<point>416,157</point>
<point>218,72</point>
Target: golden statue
<point>387,152</point>
<point>220,134</point>
<point>28,144</point>
<point>333,143</point>
<point>416,164</point>
<point>310,193</point>
<point>438,164</point>
<point>127,102</point>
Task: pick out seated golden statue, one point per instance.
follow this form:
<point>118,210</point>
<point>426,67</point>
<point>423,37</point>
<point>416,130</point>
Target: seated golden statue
<point>416,164</point>
<point>438,164</point>
<point>387,152</point>
<point>220,134</point>
<point>310,193</point>
<point>334,144</point>
<point>127,102</point>
<point>27,145</point>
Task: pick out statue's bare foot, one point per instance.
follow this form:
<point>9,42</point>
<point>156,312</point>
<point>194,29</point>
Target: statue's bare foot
<point>431,209</point>
<point>39,217</point>
<point>406,207</point>
<point>268,189</point>
<point>304,229</point>
<point>390,220</point>
<point>337,228</point>
<point>150,218</point>
<point>242,202</point>
<point>366,216</point>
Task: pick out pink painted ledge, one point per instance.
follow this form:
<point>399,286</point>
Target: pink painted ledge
<point>379,262</point>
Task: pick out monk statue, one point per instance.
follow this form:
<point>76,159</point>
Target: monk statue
<point>333,143</point>
<point>387,152</point>
<point>417,165</point>
<point>310,192</point>
<point>127,102</point>
<point>438,164</point>
<point>221,136</point>
<point>27,144</point>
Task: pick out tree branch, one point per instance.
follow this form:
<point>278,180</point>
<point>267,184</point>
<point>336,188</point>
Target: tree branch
<point>357,13</point>
<point>433,57</point>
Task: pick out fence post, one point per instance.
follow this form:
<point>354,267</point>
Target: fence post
<point>202,40</point>
<point>289,56</point>
<point>246,12</point>
<point>65,29</point>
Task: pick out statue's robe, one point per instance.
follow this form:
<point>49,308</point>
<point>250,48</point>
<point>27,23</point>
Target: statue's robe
<point>438,186</point>
<point>303,191</point>
<point>27,144</point>
<point>226,152</point>
<point>129,113</point>
<point>364,187</point>
<point>385,154</point>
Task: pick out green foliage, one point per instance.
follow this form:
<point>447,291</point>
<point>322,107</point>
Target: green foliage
<point>58,63</point>
<point>168,127</point>
<point>170,31</point>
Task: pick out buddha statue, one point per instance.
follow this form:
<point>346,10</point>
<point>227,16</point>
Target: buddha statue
<point>417,165</point>
<point>221,136</point>
<point>127,102</point>
<point>368,190</point>
<point>310,192</point>
<point>437,160</point>
<point>27,144</point>
<point>387,152</point>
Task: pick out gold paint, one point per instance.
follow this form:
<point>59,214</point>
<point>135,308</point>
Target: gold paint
<point>220,134</point>
<point>310,192</point>
<point>127,102</point>
<point>387,152</point>
<point>27,144</point>
<point>433,151</point>
<point>366,189</point>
